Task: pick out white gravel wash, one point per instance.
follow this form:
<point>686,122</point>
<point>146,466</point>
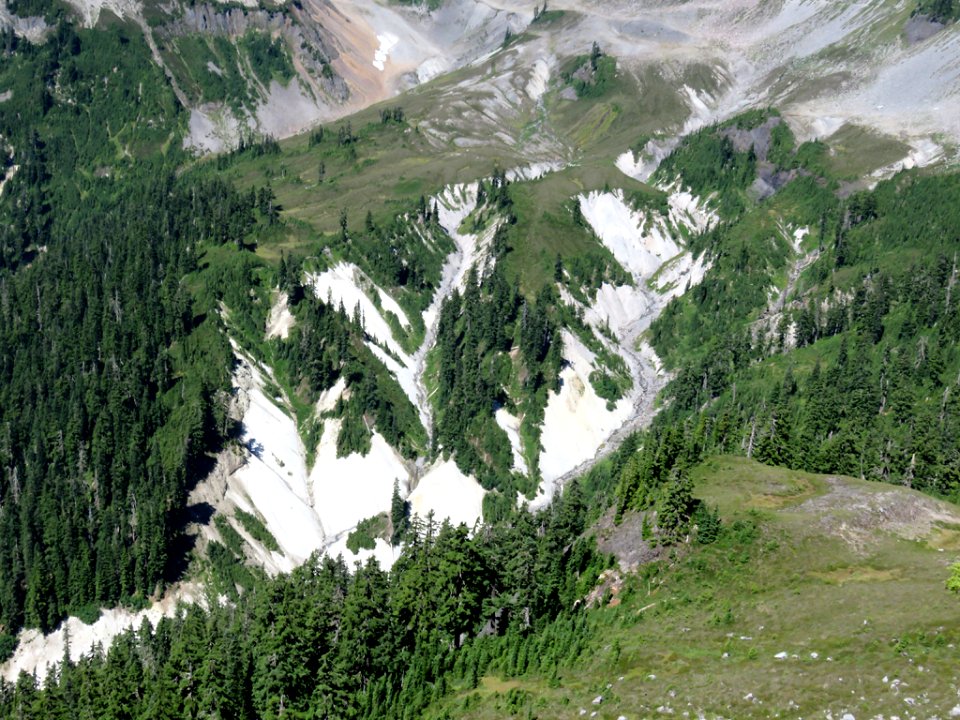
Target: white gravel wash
<point>449,493</point>
<point>623,231</point>
<point>344,283</point>
<point>349,489</point>
<point>37,652</point>
<point>511,426</point>
<point>576,420</point>
<point>273,482</point>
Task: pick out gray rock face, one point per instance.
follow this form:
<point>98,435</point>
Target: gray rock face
<point>920,27</point>
<point>32,28</point>
<point>308,42</point>
<point>758,137</point>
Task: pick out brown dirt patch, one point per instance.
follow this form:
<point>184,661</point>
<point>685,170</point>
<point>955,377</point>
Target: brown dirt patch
<point>787,494</point>
<point>857,573</point>
<point>625,541</point>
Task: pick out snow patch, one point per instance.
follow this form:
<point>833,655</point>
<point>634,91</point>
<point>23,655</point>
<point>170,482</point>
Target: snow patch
<point>390,305</point>
<point>622,230</point>
<point>643,242</point>
<point>687,209</point>
<point>273,482</point>
<point>403,372</point>
<point>630,164</point>
<point>618,307</point>
<point>643,165</point>
<point>699,103</point>
<point>533,171</point>
<point>448,493</point>
<point>577,423</point>
<point>387,41</point>
<point>306,512</point>
<point>798,236</point>
<point>681,273</point>
<point>329,397</point>
<point>453,206</point>
<point>923,153</point>
<point>383,552</point>
<point>8,177</point>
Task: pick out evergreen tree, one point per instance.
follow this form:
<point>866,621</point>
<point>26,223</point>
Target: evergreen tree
<point>675,505</point>
<point>399,515</point>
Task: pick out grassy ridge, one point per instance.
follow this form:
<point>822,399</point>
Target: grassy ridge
<point>796,571</point>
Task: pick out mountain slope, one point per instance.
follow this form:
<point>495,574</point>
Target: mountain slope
<point>807,605</point>
<point>578,224</point>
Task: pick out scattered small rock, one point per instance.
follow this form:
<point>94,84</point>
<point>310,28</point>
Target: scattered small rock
<point>814,655</point>
<point>598,699</point>
<point>781,656</point>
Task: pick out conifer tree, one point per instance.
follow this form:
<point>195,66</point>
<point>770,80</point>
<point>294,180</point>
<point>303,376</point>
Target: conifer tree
<point>399,515</point>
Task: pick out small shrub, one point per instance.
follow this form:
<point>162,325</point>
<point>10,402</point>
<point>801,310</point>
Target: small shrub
<point>258,531</point>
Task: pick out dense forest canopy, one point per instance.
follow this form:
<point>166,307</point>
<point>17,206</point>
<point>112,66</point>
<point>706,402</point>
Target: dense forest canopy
<point>823,337</point>
<point>113,375</point>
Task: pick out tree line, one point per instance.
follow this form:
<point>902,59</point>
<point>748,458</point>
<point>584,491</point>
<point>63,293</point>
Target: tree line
<point>332,642</point>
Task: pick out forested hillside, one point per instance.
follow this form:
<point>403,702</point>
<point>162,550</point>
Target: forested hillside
<point>334,641</point>
<point>534,381</point>
<point>114,375</point>
<point>853,367</point>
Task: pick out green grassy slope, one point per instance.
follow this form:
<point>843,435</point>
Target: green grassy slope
<point>845,577</point>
